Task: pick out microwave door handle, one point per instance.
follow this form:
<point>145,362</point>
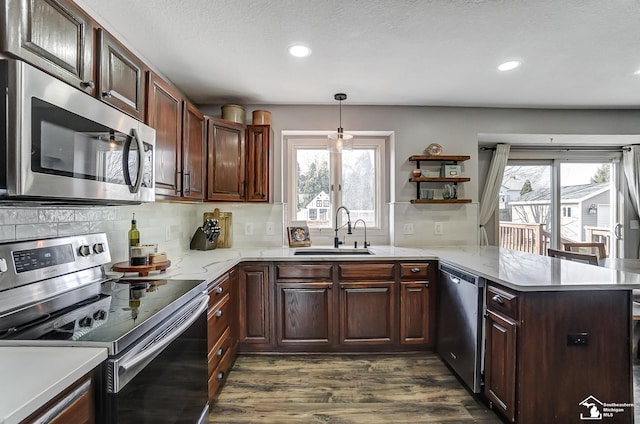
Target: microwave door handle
<point>125,161</point>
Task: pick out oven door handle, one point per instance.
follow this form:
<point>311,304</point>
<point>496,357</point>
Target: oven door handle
<point>166,340</point>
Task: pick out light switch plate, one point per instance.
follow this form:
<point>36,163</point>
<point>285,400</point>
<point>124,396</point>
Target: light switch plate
<point>634,224</point>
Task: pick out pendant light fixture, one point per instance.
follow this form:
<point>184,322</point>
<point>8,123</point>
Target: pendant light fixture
<point>339,141</point>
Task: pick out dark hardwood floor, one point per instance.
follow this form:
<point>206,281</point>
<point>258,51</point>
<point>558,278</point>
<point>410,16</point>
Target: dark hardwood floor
<point>345,390</point>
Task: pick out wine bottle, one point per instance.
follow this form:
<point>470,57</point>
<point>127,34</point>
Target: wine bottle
<point>134,236</point>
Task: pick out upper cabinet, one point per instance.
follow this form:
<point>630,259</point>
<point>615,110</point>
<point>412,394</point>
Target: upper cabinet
<point>180,141</point>
<point>240,161</point>
<point>164,114</point>
<point>259,163</point>
<point>54,35</point>
<point>121,76</point>
<point>226,160</point>
<point>193,145</point>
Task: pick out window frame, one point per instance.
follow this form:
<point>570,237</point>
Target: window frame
<point>293,141</point>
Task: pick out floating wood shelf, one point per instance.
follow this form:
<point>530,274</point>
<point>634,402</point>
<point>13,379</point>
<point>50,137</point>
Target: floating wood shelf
<point>439,158</point>
<point>440,201</point>
<point>439,180</point>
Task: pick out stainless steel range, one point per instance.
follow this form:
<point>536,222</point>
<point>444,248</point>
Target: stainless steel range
<point>55,292</point>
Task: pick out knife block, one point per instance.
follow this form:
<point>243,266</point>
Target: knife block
<point>199,241</point>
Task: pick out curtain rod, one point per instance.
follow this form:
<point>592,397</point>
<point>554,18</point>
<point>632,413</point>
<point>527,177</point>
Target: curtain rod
<point>564,149</point>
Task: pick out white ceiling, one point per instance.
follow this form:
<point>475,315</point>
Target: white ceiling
<point>575,53</point>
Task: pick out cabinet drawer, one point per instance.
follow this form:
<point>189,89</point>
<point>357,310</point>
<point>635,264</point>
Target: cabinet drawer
<point>414,271</point>
<point>503,301</point>
<point>369,271</point>
<point>218,289</point>
<point>218,348</point>
<point>304,271</point>
<point>218,319</point>
<point>219,375</point>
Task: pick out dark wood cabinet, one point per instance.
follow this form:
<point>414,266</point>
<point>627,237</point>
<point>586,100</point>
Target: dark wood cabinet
<point>225,160</point>
<point>304,314</point>
<point>259,163</point>
<point>164,114</point>
<point>54,35</point>
<point>122,76</point>
<point>254,305</point>
<point>193,147</point>
<point>367,313</point>
<point>221,338</point>
<point>500,363</point>
<point>548,352</point>
<point>417,303</point>
<point>367,303</point>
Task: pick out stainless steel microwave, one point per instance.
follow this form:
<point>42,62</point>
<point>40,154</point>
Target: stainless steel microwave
<point>61,145</point>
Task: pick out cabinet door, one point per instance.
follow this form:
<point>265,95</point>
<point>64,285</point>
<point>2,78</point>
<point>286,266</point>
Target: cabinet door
<point>367,313</point>
<point>54,35</point>
<point>193,145</point>
<point>259,163</point>
<point>304,314</point>
<point>253,305</point>
<point>121,77</point>
<point>225,162</point>
<point>500,364</point>
<point>414,312</point>
<point>164,114</point>
<point>74,406</point>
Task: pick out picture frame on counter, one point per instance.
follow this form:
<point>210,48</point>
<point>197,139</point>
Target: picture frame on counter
<point>299,236</point>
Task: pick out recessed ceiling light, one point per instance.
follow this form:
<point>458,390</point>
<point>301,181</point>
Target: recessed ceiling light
<point>507,66</point>
<point>299,50</point>
<point>637,72</point>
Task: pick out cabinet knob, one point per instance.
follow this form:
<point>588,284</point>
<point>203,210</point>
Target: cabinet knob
<point>220,352</point>
<point>415,269</point>
<point>220,375</point>
<point>106,94</point>
<point>218,289</point>
<point>498,299</point>
<point>88,84</point>
<point>218,314</point>
<point>426,284</point>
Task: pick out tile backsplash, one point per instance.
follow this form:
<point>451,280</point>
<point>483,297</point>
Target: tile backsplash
<point>171,225</point>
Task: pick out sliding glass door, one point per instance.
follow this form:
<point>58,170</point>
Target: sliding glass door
<point>548,202</point>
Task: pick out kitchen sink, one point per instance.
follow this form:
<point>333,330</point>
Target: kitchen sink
<point>331,252</point>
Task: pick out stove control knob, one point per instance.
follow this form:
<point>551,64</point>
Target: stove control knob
<point>100,314</point>
<point>84,250</point>
<point>86,322</point>
<point>98,248</point>
<point>3,265</point>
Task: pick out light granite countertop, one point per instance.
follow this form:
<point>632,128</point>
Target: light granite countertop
<point>517,270</point>
<point>32,376</point>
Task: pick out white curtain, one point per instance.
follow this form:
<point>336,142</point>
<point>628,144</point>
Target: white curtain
<point>631,165</point>
<point>492,188</point>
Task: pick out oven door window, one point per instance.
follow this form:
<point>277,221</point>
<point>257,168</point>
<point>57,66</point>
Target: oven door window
<point>69,145</point>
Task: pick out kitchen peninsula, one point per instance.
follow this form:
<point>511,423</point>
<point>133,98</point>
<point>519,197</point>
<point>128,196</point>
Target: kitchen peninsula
<point>557,332</point>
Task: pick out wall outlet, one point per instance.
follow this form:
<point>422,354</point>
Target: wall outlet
<point>248,229</point>
<point>437,228</point>
<point>407,229</point>
<point>172,232</point>
<point>270,229</point>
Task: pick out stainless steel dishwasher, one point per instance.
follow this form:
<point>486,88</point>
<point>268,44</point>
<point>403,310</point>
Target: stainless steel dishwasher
<point>460,309</point>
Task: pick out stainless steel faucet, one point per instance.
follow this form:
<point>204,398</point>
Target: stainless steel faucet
<point>366,244</point>
<point>336,240</point>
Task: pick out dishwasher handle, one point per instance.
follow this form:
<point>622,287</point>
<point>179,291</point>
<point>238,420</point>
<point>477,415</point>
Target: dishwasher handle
<point>458,276</point>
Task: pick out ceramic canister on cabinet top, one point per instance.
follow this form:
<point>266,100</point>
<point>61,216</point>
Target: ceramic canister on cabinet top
<point>261,117</point>
<point>233,113</point>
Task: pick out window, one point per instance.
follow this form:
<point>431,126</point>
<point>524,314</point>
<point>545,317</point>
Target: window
<point>566,211</point>
<point>354,179</point>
